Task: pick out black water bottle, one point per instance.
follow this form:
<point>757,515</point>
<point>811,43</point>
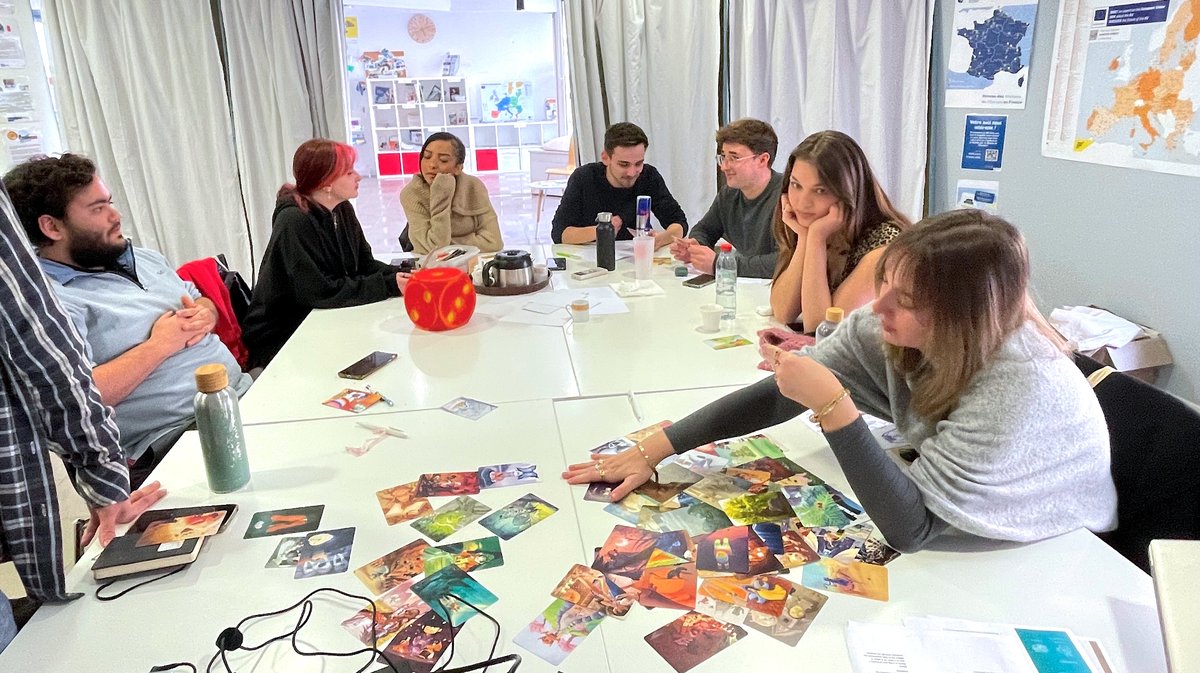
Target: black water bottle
<point>606,242</point>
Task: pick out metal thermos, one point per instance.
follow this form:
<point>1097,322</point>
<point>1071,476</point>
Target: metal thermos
<point>606,242</point>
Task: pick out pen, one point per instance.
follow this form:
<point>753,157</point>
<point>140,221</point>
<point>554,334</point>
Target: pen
<point>387,430</point>
<point>637,409</point>
<point>383,397</point>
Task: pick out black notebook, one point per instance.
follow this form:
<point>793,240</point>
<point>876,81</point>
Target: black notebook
<point>122,556</point>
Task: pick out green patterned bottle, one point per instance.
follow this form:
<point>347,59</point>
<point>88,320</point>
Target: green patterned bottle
<point>220,425</point>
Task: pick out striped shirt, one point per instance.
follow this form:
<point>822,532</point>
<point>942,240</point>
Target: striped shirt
<point>48,402</point>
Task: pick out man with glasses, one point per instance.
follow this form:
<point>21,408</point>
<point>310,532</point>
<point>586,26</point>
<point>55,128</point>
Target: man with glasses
<point>742,210</point>
<point>612,185</point>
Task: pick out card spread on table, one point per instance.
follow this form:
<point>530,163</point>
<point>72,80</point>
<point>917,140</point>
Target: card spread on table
<point>354,401</point>
<point>420,644</point>
<point>393,568</point>
<point>731,341</point>
<point>854,578</point>
<point>468,408</point>
<point>507,474</point>
<point>448,592</point>
<point>182,528</point>
<point>558,630</point>
<point>447,483</point>
<point>518,516</point>
<point>287,553</point>
<point>394,610</point>
<point>450,518</point>
<point>468,556</point>
<point>285,521</point>
<point>325,553</point>
<point>401,503</point>
<point>692,639</point>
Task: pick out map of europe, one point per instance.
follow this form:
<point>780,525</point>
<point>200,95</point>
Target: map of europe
<point>995,45</point>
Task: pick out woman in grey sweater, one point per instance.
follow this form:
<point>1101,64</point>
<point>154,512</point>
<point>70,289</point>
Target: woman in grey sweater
<point>1012,442</point>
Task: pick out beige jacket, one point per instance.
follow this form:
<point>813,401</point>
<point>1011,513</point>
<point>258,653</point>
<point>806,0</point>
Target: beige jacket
<point>454,209</point>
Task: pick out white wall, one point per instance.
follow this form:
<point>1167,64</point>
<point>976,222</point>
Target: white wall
<point>43,123</point>
<point>493,46</point>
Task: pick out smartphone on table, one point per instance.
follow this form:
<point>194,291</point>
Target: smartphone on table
<point>700,281</point>
<point>366,366</point>
<point>557,263</point>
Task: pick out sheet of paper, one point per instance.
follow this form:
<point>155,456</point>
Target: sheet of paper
<point>883,648</point>
<point>601,300</point>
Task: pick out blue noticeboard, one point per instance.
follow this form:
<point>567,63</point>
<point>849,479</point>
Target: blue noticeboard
<point>983,142</point>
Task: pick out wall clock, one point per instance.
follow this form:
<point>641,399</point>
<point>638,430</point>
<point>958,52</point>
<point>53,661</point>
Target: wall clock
<point>421,28</point>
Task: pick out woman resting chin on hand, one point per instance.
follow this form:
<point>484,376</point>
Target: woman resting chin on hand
<point>445,205</point>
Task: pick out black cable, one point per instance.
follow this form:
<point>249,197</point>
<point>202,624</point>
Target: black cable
<point>495,640</point>
<point>117,595</point>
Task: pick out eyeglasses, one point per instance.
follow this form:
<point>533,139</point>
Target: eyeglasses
<point>723,158</point>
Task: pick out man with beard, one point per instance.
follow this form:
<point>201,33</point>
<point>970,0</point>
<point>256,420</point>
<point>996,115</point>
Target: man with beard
<point>612,185</point>
<point>146,330</point>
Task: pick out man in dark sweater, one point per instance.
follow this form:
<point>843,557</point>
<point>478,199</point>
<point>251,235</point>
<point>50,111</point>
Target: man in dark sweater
<point>613,185</point>
<point>742,211</point>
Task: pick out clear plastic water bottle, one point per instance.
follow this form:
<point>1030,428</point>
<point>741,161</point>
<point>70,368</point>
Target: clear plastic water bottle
<point>833,318</point>
<point>726,273</point>
<point>219,423</point>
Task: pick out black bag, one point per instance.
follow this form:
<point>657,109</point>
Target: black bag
<point>239,291</point>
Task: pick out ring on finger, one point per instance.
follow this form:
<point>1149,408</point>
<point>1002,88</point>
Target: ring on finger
<point>600,468</point>
<point>778,354</point>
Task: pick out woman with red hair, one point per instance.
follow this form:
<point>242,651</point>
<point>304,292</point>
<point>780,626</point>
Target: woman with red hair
<point>317,256</point>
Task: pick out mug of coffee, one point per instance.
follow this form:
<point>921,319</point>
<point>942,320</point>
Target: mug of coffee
<point>580,310</point>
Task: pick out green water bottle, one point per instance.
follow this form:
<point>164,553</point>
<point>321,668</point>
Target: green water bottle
<point>220,425</point>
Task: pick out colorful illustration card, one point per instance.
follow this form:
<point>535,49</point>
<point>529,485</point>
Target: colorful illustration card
<point>450,518</point>
<point>325,553</point>
<point>778,468</point>
<point>558,630</point>
<point>757,507</point>
<point>420,644</point>
<point>855,578</point>
<point>714,488</point>
<point>815,506</point>
<point>642,433</point>
<point>591,590</point>
<point>746,449</point>
<point>731,341</point>
<point>693,639</point>
<point>724,550</point>
<point>625,552</point>
<point>393,568</point>
<point>471,555</point>
<point>182,528</point>
<point>662,491</point>
<point>401,503</point>
<point>759,555</point>
<point>876,552</point>
<point>450,590</point>
<point>700,462</point>
<point>838,543</point>
<point>730,613</point>
<point>696,519</point>
<point>517,516</point>
<point>469,408</point>
<point>612,446</point>
<point>798,544</point>
<point>394,610</point>
<point>800,609</point>
<point>673,472</point>
<point>669,586</point>
<point>285,521</point>
<point>447,483</point>
<point>354,401</point>
<point>507,474</point>
<point>287,553</point>
<point>629,508</point>
<point>599,492</point>
<point>753,476</point>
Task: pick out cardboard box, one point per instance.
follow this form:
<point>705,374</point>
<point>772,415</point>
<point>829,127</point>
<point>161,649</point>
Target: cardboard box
<point>1143,358</point>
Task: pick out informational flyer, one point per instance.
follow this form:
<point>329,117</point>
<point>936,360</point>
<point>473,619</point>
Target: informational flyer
<point>979,194</point>
<point>983,142</point>
<point>12,53</point>
<point>989,53</point>
<point>16,100</point>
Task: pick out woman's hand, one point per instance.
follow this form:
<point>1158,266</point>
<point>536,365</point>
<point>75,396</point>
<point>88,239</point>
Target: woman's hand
<point>402,280</point>
<point>830,223</point>
<point>627,467</point>
<point>789,217</point>
<point>802,378</point>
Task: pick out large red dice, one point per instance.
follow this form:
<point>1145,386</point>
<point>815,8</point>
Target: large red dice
<point>440,298</point>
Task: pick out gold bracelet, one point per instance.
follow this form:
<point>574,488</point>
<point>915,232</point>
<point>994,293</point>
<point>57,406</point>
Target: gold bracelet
<point>642,450</point>
<point>817,416</point>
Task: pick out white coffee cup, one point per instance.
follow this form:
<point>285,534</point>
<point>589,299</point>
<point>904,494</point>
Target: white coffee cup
<point>580,310</point>
<point>540,272</point>
<point>710,317</point>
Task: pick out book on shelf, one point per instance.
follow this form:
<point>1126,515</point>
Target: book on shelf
<point>450,65</point>
<point>456,118</point>
<point>454,93</point>
<point>123,557</point>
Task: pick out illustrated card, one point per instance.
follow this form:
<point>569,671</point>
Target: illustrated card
<point>599,492</point>
<point>746,449</point>
<point>354,401</point>
<point>669,586</point>
<point>471,555</point>
<point>507,474</point>
<point>798,544</point>
<point>714,488</point>
<point>697,519</point>
<point>855,578</point>
<point>692,639</point>
<point>393,568</point>
<point>642,433</point>
<point>778,469</point>
<point>325,553</point>
<point>724,550</point>
<point>182,528</point>
<point>701,463</point>
<point>730,613</point>
<point>447,483</point>
<point>401,503</point>
<point>626,551</point>
<point>612,446</point>
<point>662,491</point>
<point>287,553</point>
<point>517,516</point>
<point>876,552</point>
<point>469,408</point>
<point>449,590</point>
<point>450,518</point>
<point>420,644</point>
<point>394,610</point>
<point>629,508</point>
<point>815,506</point>
<point>757,507</point>
<point>760,557</point>
<point>284,521</point>
<point>800,609</point>
<point>752,476</point>
<point>837,543</point>
<point>731,341</point>
<point>558,630</point>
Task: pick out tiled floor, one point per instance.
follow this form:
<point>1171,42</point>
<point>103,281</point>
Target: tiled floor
<point>382,218</point>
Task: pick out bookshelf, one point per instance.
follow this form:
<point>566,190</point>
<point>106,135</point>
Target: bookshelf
<point>404,111</point>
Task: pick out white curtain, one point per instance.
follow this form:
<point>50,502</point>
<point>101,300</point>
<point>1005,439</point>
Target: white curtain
<point>285,85</point>
<point>654,63</point>
<point>858,66</point>
<point>141,92</point>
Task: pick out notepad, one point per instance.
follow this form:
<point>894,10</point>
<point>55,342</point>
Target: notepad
<point>122,556</point>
